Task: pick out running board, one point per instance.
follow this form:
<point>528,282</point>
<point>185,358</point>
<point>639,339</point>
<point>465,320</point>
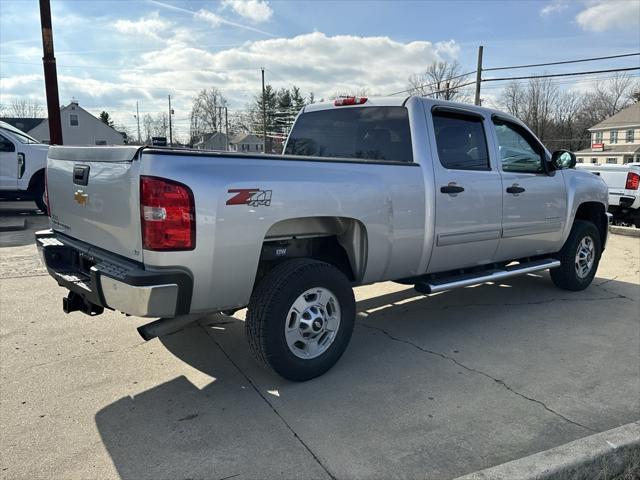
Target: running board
<point>457,281</point>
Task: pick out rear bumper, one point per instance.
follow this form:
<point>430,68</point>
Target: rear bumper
<point>109,281</point>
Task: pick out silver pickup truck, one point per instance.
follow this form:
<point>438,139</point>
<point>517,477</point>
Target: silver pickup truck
<point>428,193</point>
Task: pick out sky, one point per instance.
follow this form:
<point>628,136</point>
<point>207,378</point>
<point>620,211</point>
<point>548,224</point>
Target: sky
<point>111,54</point>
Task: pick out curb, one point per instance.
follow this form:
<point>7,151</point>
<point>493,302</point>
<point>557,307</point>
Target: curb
<point>628,231</point>
<point>612,451</point>
<point>11,225</point>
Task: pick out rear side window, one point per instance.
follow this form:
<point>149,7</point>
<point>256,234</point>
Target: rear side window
<point>461,141</point>
<point>368,133</point>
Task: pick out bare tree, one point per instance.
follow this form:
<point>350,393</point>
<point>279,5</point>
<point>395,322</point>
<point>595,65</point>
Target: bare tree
<point>155,126</point>
<point>206,115</point>
<point>609,97</point>
<point>442,80</point>
<point>533,104</point>
<point>24,108</point>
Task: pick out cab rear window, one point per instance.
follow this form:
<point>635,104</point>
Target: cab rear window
<point>367,133</point>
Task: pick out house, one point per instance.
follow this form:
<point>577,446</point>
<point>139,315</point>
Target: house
<point>24,124</point>
<point>246,142</point>
<point>212,141</point>
<point>79,127</point>
<point>615,140</point>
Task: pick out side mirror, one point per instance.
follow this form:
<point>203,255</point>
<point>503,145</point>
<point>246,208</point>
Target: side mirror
<point>563,159</point>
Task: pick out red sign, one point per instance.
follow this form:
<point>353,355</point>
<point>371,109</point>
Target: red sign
<point>597,147</point>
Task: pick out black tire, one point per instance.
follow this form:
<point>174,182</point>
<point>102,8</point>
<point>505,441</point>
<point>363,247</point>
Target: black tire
<point>269,306</point>
<point>38,196</point>
<point>566,276</point>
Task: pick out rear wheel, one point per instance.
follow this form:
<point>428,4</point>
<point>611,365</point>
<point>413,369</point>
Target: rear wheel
<point>38,195</point>
<point>300,318</point>
<point>579,257</point>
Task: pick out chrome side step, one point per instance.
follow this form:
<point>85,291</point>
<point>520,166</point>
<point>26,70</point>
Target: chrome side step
<point>457,281</point>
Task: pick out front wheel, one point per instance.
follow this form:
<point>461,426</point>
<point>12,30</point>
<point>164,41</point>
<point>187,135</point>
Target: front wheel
<point>579,257</point>
<point>300,318</point>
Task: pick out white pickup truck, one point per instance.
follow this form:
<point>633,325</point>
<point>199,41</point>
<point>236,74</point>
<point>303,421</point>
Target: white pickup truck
<point>22,163</point>
<point>624,197</point>
<point>429,193</point>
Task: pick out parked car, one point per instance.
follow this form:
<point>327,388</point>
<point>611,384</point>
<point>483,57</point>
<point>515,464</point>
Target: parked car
<point>624,197</point>
<point>368,190</point>
<point>22,164</point>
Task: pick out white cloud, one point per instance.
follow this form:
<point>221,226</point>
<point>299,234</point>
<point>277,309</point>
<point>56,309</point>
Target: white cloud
<point>211,18</point>
<point>554,7</point>
<point>216,20</point>
<point>254,10</point>
<point>150,26</point>
<point>603,15</point>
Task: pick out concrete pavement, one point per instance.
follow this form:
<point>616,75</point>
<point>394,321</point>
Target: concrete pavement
<point>431,387</point>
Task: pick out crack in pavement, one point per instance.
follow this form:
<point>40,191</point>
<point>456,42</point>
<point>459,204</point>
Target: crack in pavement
<point>266,400</point>
<point>479,372</point>
<point>74,357</point>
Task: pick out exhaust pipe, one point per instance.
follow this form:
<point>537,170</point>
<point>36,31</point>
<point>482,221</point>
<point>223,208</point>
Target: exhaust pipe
<point>165,326</point>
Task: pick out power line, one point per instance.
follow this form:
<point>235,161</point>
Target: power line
<point>433,84</point>
<point>549,75</point>
<point>562,62</point>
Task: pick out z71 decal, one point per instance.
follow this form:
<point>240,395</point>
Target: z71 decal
<point>254,197</point>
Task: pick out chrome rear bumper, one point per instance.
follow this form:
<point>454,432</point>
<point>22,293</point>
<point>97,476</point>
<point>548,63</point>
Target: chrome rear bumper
<point>106,280</point>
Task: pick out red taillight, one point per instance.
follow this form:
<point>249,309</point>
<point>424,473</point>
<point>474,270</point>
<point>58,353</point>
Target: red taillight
<point>339,102</point>
<point>633,179</point>
<point>167,212</point>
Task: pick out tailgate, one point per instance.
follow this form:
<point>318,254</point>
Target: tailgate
<point>94,196</point>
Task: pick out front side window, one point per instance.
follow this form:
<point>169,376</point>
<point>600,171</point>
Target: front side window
<point>23,137</point>
<point>613,136</point>
<point>6,145</point>
<point>630,133</point>
<point>73,120</point>
<point>461,141</point>
<point>519,152</point>
<point>366,133</point>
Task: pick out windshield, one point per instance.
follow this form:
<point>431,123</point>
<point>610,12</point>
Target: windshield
<point>370,133</point>
<point>20,136</point>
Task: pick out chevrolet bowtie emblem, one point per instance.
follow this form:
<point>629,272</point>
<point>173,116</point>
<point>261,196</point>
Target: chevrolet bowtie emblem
<point>81,197</point>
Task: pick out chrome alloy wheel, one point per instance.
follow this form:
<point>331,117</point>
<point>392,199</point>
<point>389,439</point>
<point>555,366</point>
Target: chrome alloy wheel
<point>585,256</point>
<point>312,323</point>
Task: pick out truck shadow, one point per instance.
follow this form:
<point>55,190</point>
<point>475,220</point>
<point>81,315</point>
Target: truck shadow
<point>180,430</point>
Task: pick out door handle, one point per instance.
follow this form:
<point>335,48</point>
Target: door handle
<point>515,189</point>
<point>452,188</point>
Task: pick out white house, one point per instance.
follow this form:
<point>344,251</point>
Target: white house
<point>212,141</point>
<point>615,139</point>
<point>79,127</point>
<point>246,142</point>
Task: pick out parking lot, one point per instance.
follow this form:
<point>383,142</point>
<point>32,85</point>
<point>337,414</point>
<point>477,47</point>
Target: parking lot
<point>431,386</point>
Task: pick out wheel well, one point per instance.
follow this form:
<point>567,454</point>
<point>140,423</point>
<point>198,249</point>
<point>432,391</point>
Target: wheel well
<point>339,241</point>
<point>36,178</point>
<point>594,212</point>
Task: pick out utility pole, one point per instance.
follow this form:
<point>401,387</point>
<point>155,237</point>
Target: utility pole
<point>50,75</point>
<point>479,75</point>
<point>170,129</point>
<point>226,127</point>
<point>138,119</point>
<point>264,116</point>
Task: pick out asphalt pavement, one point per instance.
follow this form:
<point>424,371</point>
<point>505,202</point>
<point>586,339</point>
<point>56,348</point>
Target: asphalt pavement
<point>431,386</point>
